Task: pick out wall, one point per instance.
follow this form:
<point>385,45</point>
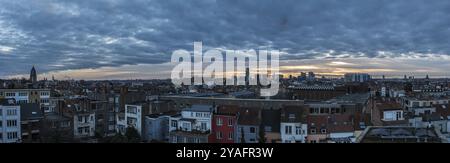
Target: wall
<point>293,137</point>
<point>247,135</point>
<point>4,129</point>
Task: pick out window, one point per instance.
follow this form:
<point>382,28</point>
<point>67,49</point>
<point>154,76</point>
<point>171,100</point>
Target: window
<point>23,93</point>
<point>9,94</point>
<point>230,136</point>
<point>219,121</point>
<point>322,110</point>
<point>65,124</point>
<point>268,128</point>
<point>219,135</point>
<point>131,109</point>
<point>198,114</point>
<point>1,113</point>
<point>22,101</point>
<point>131,121</point>
<point>230,121</point>
<point>1,135</point>
<point>323,131</point>
<point>316,110</point>
<point>298,130</point>
<point>291,116</point>
<point>333,110</point>
<point>12,112</point>
<point>174,139</point>
<point>80,130</point>
<point>1,124</point>
<point>288,130</point>
<point>45,93</point>
<point>80,119</point>
<point>12,135</point>
<point>399,115</point>
<point>186,126</point>
<point>252,130</point>
<point>11,123</point>
<point>252,140</point>
<point>44,100</point>
<point>203,126</point>
<point>313,131</point>
<point>86,130</point>
<point>174,124</point>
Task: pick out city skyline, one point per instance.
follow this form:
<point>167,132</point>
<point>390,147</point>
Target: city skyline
<point>106,40</point>
<point>286,75</point>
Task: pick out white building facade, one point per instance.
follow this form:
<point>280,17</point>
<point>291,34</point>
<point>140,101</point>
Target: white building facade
<point>133,117</point>
<point>84,125</point>
<point>10,129</point>
<point>198,118</point>
<point>293,132</point>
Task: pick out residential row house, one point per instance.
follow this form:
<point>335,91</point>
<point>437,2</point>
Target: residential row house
<point>224,124</point>
<point>22,96</point>
<point>10,128</point>
<point>293,125</point>
<point>31,123</point>
<point>82,113</point>
<point>193,125</point>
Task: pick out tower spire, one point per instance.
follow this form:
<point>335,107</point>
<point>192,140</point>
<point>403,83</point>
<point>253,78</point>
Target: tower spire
<point>33,75</point>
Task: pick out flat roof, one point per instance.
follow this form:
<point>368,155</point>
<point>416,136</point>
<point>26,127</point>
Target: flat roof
<point>400,134</point>
<point>199,108</point>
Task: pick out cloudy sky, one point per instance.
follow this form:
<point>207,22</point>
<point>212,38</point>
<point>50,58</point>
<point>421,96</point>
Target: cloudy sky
<point>122,39</point>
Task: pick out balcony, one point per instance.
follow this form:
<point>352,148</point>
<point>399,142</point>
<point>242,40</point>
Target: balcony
<point>84,124</point>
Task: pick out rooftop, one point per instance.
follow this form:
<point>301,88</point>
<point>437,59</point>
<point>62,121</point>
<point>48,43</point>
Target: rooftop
<point>293,114</point>
<point>170,113</point>
<point>199,108</point>
<point>228,110</point>
<point>249,116</point>
<point>7,102</point>
<point>397,134</point>
<point>30,112</point>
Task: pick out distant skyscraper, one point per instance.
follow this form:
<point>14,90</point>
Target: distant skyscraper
<point>247,76</point>
<point>311,75</point>
<point>33,75</point>
<point>357,77</point>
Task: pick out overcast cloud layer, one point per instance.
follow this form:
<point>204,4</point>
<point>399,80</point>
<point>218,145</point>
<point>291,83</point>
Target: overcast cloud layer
<point>82,34</point>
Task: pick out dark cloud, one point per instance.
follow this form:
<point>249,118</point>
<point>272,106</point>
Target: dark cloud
<point>60,35</point>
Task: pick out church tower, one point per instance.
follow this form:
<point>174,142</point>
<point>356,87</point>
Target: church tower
<point>33,75</point>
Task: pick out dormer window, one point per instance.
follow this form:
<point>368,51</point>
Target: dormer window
<point>291,116</point>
